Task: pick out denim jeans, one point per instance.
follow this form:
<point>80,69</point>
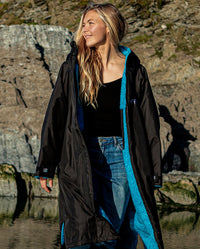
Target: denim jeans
<point>111,190</point>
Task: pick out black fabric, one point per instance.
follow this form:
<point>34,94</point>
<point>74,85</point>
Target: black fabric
<point>104,119</point>
<point>63,146</point>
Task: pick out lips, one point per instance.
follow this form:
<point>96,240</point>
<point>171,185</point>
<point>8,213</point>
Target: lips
<point>87,36</point>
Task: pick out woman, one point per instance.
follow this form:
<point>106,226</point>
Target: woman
<point>101,131</point>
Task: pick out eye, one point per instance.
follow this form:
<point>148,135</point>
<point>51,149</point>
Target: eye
<point>91,23</point>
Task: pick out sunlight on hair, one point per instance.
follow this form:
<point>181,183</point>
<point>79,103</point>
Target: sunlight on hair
<point>90,63</point>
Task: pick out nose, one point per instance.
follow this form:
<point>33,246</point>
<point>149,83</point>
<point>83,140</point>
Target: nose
<point>84,31</point>
<point>85,28</point>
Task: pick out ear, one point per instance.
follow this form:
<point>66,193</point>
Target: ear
<point>107,30</point>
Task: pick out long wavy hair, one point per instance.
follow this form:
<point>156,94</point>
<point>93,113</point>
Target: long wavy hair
<point>90,62</point>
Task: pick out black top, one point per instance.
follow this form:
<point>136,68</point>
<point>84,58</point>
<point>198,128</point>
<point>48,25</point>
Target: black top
<point>105,119</point>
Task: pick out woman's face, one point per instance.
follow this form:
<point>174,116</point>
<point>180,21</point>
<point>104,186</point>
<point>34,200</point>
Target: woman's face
<point>94,30</point>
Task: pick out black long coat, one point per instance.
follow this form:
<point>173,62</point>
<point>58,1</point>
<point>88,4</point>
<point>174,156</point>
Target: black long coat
<point>63,147</point>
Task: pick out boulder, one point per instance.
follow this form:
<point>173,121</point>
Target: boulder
<point>179,188</point>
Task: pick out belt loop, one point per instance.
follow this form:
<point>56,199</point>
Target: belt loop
<point>99,141</point>
<point>115,141</point>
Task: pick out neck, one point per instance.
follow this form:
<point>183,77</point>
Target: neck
<point>108,54</point>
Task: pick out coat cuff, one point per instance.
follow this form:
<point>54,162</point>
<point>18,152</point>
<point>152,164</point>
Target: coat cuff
<point>157,181</point>
<point>45,173</point>
<point>38,177</point>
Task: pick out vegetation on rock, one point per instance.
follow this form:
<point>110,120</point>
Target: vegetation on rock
<point>7,172</point>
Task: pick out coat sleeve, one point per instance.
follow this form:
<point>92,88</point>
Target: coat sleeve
<point>152,125</point>
<point>53,130</point>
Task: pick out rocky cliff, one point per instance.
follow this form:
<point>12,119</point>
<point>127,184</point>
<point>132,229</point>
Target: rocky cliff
<point>164,34</point>
<point>30,59</point>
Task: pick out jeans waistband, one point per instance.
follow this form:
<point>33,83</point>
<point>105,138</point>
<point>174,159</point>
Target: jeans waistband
<point>104,140</point>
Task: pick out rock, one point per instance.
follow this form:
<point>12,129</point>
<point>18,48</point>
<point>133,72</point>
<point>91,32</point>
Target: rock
<point>16,150</point>
<point>49,43</point>
<point>147,23</point>
<point>149,33</point>
<point>182,192</point>
<point>158,31</point>
<point>197,60</point>
<point>181,188</point>
<point>163,26</point>
<point>139,24</point>
<point>169,49</point>
<point>23,185</point>
<point>135,30</point>
<point>176,176</point>
<point>31,58</point>
<point>7,210</point>
<point>8,185</point>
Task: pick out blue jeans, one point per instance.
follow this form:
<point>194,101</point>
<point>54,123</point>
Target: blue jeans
<point>111,190</point>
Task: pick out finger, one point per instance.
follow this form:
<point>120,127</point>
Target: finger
<point>51,183</point>
<point>43,183</point>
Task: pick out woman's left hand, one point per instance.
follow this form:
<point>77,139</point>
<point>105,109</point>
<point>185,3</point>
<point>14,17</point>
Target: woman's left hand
<point>43,183</point>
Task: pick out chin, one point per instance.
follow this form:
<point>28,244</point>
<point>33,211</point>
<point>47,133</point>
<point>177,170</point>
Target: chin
<point>90,45</point>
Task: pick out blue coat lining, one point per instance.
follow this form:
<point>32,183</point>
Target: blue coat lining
<point>62,234</point>
<point>142,222</point>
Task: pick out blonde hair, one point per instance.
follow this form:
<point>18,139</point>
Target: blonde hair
<point>90,63</point>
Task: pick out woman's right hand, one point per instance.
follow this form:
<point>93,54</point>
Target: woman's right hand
<point>43,183</point>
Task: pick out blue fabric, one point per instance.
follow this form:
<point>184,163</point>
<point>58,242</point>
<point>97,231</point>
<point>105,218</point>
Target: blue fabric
<point>141,222</point>
<point>157,186</point>
<point>126,52</point>
<point>62,234</point>
<point>103,214</point>
<point>38,177</point>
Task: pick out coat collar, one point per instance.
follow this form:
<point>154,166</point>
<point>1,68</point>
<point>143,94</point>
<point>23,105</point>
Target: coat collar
<point>131,63</point>
<point>132,60</point>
